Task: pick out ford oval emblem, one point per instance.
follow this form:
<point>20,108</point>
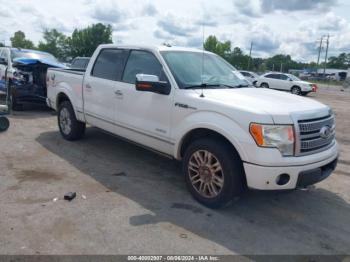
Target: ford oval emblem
<point>325,132</point>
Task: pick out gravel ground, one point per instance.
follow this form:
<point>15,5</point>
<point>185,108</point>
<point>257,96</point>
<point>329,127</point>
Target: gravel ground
<point>132,201</point>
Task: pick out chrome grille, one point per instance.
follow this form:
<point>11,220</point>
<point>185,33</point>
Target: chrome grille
<point>311,139</point>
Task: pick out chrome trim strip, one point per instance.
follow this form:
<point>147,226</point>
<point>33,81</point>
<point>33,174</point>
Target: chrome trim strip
<point>133,130</point>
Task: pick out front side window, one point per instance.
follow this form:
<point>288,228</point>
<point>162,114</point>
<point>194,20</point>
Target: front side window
<point>141,62</point>
<point>193,69</point>
<point>109,64</point>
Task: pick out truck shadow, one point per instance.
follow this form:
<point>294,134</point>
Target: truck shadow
<point>315,221</point>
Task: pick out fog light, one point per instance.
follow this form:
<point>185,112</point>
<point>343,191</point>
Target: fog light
<point>282,179</point>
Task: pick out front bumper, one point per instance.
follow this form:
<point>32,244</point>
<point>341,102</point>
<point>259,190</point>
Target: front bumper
<point>269,178</point>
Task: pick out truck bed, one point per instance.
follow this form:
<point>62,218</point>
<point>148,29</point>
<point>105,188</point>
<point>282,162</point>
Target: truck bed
<point>67,81</point>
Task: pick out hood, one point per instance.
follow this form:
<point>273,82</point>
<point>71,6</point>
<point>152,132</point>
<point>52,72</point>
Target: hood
<point>279,105</point>
<point>32,61</point>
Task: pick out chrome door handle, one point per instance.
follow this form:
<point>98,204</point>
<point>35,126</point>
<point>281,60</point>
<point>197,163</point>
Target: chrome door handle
<point>88,86</point>
<point>118,93</point>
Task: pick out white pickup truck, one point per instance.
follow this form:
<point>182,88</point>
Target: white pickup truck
<point>195,107</point>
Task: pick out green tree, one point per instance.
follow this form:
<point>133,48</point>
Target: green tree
<point>340,62</point>
<point>83,42</point>
<point>212,44</point>
<point>19,40</point>
<point>55,43</point>
<point>1,44</point>
<point>238,59</point>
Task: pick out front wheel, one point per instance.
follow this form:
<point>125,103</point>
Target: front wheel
<point>213,172</point>
<point>71,129</point>
<point>4,123</point>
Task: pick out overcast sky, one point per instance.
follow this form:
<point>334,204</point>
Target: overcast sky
<point>274,26</point>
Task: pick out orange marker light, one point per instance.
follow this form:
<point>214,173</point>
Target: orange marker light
<point>144,86</point>
<point>257,133</point>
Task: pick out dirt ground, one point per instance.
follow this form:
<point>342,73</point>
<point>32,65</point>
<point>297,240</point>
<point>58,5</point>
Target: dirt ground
<point>132,201</point>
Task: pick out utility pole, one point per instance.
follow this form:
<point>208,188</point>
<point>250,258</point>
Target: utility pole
<point>326,56</point>
<point>250,54</point>
<point>281,69</point>
<point>319,54</point>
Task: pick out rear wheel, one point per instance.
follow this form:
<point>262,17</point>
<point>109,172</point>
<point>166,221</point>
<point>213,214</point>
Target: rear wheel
<point>70,128</point>
<point>265,85</point>
<point>213,172</point>
<point>296,90</point>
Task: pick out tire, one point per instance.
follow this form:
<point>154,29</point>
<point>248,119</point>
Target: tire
<point>4,123</point>
<point>265,85</point>
<point>231,175</point>
<point>71,129</point>
<point>296,90</point>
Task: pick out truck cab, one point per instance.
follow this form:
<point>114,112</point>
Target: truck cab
<point>195,107</point>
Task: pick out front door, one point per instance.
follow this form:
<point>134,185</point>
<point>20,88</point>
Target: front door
<point>144,117</point>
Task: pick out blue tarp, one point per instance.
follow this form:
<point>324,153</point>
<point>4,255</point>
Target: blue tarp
<point>32,61</point>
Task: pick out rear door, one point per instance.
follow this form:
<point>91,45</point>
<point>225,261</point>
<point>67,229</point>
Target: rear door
<point>100,87</point>
<point>272,80</point>
<point>285,83</point>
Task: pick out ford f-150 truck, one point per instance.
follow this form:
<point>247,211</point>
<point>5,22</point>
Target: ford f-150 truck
<point>195,107</point>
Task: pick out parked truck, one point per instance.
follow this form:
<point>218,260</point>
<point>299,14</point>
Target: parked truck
<point>195,107</point>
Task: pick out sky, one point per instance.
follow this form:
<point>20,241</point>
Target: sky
<point>273,26</point>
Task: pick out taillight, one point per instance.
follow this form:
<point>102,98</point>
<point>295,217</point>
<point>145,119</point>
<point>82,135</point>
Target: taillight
<point>314,88</point>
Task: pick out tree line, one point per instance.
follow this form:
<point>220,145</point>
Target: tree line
<point>240,60</point>
<point>83,42</point>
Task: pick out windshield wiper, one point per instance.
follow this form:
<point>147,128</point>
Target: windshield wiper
<point>240,86</point>
<point>215,85</point>
<point>204,85</point>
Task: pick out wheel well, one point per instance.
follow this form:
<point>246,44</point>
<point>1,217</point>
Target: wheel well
<point>201,133</point>
<point>264,83</point>
<point>61,98</point>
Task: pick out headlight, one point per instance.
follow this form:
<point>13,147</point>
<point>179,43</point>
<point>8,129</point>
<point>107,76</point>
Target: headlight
<point>276,136</point>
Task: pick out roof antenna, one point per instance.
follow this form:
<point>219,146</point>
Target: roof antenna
<point>202,73</point>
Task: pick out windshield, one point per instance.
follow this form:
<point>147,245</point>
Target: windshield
<point>294,78</point>
<point>31,55</point>
<point>195,69</point>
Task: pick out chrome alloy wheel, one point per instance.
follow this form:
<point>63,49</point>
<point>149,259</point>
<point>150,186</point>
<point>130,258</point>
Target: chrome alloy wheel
<point>65,121</point>
<point>206,174</point>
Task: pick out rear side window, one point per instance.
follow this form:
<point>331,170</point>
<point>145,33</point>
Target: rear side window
<point>284,77</point>
<point>273,76</point>
<point>245,74</point>
<point>109,64</point>
<point>141,62</point>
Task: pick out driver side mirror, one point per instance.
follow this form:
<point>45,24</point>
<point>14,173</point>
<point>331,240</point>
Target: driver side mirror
<point>290,79</point>
<point>151,83</point>
<point>3,61</point>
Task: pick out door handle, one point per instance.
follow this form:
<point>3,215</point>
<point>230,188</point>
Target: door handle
<point>88,86</point>
<point>118,93</point>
